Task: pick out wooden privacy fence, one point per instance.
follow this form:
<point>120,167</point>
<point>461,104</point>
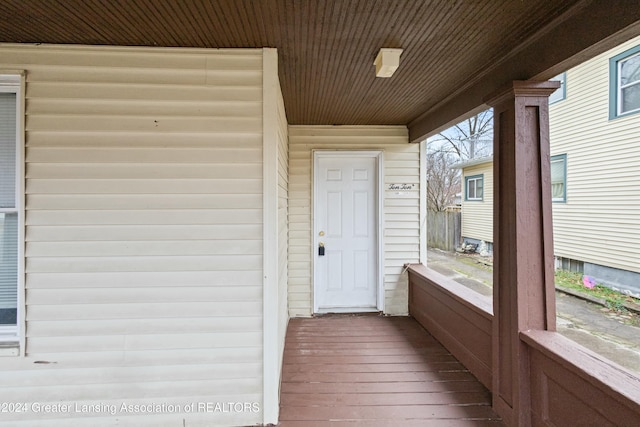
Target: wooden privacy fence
<point>444,229</point>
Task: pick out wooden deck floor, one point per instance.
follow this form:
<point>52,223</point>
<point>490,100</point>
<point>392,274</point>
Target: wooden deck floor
<point>375,371</point>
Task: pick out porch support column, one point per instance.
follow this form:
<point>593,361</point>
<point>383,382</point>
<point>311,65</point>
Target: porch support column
<point>523,290</point>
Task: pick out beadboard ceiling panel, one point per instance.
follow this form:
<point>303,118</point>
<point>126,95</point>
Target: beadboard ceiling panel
<point>327,48</point>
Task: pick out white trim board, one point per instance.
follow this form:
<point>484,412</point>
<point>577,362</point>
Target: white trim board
<point>271,380</point>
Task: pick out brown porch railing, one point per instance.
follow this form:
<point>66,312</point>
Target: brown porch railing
<point>568,385</point>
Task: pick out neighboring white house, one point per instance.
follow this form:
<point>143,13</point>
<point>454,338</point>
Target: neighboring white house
<point>594,121</point>
<point>168,226</point>
<point>477,200</point>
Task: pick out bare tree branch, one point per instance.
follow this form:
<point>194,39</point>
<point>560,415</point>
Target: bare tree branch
<point>468,139</point>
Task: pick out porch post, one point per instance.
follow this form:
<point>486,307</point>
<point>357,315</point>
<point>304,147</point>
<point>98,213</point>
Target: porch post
<point>523,291</point>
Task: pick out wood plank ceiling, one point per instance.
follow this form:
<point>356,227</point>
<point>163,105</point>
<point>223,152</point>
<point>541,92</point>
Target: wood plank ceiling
<point>326,48</point>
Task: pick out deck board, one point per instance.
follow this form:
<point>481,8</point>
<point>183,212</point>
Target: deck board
<point>367,370</point>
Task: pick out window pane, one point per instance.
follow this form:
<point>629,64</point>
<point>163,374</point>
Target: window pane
<point>471,191</point>
<point>7,150</point>
<point>557,171</point>
<point>558,178</point>
<point>557,191</point>
<point>479,189</point>
<point>631,98</point>
<point>630,70</point>
<point>8,268</point>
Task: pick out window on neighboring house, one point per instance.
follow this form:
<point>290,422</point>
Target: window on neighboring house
<point>473,185</point>
<point>9,206</point>
<point>559,178</point>
<point>625,83</point>
<point>561,92</point>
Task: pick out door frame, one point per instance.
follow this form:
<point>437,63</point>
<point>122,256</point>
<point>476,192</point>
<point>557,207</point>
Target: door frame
<point>378,156</point>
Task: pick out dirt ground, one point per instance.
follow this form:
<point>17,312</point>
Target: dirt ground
<point>591,325</point>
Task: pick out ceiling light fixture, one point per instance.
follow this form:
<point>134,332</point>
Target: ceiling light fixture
<point>387,61</point>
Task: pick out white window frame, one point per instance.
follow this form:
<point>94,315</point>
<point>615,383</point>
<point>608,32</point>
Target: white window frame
<point>621,87</point>
<point>468,180</point>
<point>14,82</point>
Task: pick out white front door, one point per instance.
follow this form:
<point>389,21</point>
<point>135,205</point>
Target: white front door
<point>346,232</point>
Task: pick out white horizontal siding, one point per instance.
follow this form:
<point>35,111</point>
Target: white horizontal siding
<point>283,225</point>
<point>600,221</point>
<point>50,233</point>
<point>144,249</point>
<point>477,215</point>
<point>177,154</point>
<point>143,217</point>
<point>209,324</point>
<point>401,212</point>
<point>37,296</point>
<point>166,248</point>
<point>275,170</point>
